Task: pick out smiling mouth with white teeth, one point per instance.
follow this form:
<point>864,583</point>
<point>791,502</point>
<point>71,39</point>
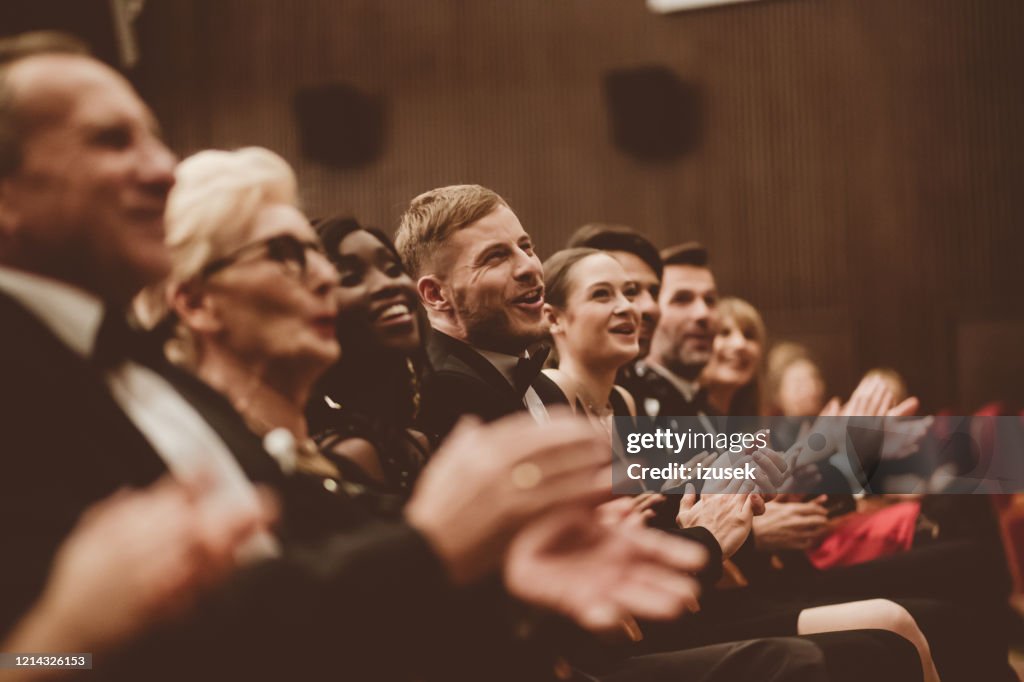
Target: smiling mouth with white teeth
<point>625,329</point>
<point>739,363</point>
<point>394,318</point>
<point>391,312</point>
<point>531,297</point>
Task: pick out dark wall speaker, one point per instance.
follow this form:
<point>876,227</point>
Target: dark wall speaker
<point>340,125</point>
<point>654,115</point>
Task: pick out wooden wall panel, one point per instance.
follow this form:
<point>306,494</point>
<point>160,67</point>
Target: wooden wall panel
<point>859,173</point>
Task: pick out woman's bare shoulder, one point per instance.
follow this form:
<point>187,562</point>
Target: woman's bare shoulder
<point>628,397</point>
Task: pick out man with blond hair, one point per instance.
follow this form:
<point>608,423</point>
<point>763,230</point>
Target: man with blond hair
<point>482,286</point>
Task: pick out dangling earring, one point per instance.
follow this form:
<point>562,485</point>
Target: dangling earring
<point>414,383</point>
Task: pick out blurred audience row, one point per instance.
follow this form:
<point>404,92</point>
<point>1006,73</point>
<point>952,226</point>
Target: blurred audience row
<point>244,445</point>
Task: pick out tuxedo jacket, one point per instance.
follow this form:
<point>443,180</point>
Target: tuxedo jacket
<point>656,396</point>
<point>461,381</point>
<point>335,603</point>
<point>464,382</point>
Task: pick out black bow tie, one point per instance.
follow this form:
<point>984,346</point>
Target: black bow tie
<point>527,369</point>
<point>117,341</point>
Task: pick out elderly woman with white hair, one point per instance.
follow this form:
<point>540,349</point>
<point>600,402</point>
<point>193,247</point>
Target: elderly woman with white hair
<point>250,294</point>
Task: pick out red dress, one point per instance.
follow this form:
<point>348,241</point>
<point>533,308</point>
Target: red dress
<point>863,537</point>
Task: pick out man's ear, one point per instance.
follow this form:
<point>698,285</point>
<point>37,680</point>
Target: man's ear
<point>195,309</point>
<point>551,317</point>
<point>432,293</point>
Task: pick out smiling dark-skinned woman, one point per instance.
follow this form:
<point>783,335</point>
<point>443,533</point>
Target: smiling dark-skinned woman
<point>366,401</point>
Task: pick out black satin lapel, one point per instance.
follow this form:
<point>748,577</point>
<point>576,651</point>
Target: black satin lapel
<point>549,392</point>
<point>222,417</point>
<point>442,345</point>
<point>72,396</point>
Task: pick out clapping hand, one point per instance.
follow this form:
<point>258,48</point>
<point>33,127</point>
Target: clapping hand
<point>487,481</point>
<point>134,559</point>
<point>791,525</point>
<point>871,398</point>
<point>633,510</point>
<point>603,576</point>
<point>727,513</point>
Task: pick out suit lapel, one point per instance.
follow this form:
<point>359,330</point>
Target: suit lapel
<point>442,349</point>
<point>222,417</point>
<point>62,390</point>
<point>454,355</point>
<point>548,391</point>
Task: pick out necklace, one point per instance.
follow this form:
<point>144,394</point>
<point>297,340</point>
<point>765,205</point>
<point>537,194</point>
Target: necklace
<point>600,415</point>
<point>590,405</point>
<point>595,410</point>
<point>291,453</point>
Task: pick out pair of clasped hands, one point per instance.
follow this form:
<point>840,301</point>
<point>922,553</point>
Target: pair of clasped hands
<point>725,507</point>
<point>791,522</point>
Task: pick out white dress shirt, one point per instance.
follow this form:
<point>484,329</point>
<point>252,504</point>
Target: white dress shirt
<point>185,442</point>
<point>506,364</point>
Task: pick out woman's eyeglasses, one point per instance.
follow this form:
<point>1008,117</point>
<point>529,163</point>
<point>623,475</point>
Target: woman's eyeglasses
<point>285,249</point>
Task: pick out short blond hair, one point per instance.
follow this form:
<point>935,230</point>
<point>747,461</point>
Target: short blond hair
<point>210,211</point>
<point>434,216</point>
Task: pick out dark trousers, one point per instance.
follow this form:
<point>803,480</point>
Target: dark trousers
<point>831,657</point>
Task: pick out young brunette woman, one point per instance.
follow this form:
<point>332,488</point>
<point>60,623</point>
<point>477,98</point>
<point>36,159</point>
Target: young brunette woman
<point>594,324</point>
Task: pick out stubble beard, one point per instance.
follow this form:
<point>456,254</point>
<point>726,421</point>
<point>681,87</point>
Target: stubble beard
<point>684,363</point>
<point>494,330</point>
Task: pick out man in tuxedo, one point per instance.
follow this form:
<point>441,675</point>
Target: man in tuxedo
<point>666,382</point>
<point>88,410</point>
<point>482,286</point>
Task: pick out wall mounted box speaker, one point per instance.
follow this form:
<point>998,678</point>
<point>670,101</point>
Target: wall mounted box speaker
<point>654,115</point>
<point>340,125</point>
